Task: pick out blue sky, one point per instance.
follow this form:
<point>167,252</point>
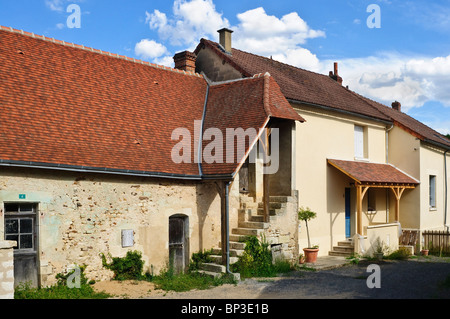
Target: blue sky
<point>406,59</point>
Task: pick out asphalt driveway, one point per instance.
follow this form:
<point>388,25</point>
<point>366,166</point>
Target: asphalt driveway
<point>422,278</point>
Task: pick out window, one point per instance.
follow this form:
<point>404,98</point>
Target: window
<point>432,191</point>
<point>20,225</point>
<point>359,141</point>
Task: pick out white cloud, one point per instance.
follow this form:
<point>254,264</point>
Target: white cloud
<point>191,21</point>
<point>256,31</point>
<point>55,5</point>
<point>264,34</point>
<point>390,76</point>
<point>149,49</point>
<point>300,57</point>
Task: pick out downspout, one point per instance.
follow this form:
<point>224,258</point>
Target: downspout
<point>446,190</point>
<point>227,225</point>
<point>387,162</point>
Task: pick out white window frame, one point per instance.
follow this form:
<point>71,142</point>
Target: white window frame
<point>359,142</point>
<point>432,191</point>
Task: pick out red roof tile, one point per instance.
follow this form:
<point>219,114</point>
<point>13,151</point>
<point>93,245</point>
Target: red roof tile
<point>310,87</point>
<point>69,106</point>
<point>295,83</point>
<point>364,172</point>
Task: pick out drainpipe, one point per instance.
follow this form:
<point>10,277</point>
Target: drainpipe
<point>227,208</point>
<point>446,190</point>
<point>387,162</point>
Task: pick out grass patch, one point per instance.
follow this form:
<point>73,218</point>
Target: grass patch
<point>168,281</point>
<point>61,290</point>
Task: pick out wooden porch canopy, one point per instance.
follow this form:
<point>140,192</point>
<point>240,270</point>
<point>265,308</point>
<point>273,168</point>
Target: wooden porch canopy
<point>368,175</point>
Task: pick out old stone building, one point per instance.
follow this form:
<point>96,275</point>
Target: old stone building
<point>102,154</point>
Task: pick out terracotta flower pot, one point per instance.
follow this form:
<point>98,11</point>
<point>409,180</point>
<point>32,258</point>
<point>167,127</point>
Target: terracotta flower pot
<point>310,254</point>
<point>424,252</point>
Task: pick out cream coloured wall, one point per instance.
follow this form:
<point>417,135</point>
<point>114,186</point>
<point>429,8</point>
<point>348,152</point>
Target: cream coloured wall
<point>324,135</point>
<point>404,152</point>
<point>432,163</point>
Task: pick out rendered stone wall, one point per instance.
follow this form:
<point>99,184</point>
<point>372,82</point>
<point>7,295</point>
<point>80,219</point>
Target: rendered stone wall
<point>6,270</point>
<point>82,215</point>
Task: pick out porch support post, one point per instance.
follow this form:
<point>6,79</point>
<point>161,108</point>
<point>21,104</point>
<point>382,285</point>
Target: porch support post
<point>398,192</point>
<point>360,192</point>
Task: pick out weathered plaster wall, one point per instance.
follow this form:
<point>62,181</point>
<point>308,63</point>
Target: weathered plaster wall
<point>82,215</point>
<point>6,269</point>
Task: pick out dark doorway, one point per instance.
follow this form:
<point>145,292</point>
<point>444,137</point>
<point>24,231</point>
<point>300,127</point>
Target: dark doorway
<point>347,213</point>
<point>21,226</point>
<point>178,243</point>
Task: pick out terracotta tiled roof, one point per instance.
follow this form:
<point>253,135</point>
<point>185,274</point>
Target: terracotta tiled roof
<point>408,123</point>
<point>295,83</point>
<point>364,172</point>
<point>310,87</point>
<point>67,106</point>
<point>244,104</point>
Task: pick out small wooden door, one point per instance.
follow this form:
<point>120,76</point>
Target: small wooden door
<point>177,243</point>
<point>244,178</point>
<point>20,226</point>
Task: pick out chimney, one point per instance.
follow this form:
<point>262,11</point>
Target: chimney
<point>397,106</point>
<point>185,61</point>
<point>225,39</point>
<point>335,76</point>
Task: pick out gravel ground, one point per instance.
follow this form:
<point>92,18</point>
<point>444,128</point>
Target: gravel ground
<point>413,279</point>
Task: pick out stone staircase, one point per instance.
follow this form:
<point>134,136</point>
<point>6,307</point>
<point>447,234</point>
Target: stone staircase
<point>344,248</point>
<point>249,224</point>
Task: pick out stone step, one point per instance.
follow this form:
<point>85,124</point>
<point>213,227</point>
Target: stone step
<point>345,249</point>
<point>273,205</point>
<point>339,253</point>
<point>217,259</point>
<point>237,245</point>
<point>212,267</point>
<point>260,218</point>
<point>254,225</point>
<point>238,238</point>
<point>346,243</point>
<point>236,276</point>
<point>247,231</point>
<point>272,212</point>
<point>281,199</point>
<point>233,252</point>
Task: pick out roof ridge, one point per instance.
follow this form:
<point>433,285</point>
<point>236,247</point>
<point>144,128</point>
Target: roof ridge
<point>98,51</point>
<point>266,58</point>
<point>383,109</point>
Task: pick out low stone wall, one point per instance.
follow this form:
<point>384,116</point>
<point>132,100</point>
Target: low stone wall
<point>7,269</point>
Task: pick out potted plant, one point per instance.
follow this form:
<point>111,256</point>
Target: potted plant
<point>425,250</point>
<point>379,250</point>
<point>306,214</point>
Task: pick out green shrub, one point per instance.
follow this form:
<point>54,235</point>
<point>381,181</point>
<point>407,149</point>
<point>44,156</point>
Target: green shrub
<point>200,257</point>
<point>129,267</point>
<point>256,261</point>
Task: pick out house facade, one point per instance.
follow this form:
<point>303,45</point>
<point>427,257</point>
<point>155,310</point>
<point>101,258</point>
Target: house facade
<point>103,154</point>
<point>336,150</point>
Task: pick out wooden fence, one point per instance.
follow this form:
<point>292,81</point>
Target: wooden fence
<point>438,242</point>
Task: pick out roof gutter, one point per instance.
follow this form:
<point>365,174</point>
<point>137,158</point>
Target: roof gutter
<point>100,170</point>
<point>328,108</point>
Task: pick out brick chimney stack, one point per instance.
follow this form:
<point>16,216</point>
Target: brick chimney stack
<point>225,39</point>
<point>185,61</point>
<point>335,76</point>
<point>397,106</point>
